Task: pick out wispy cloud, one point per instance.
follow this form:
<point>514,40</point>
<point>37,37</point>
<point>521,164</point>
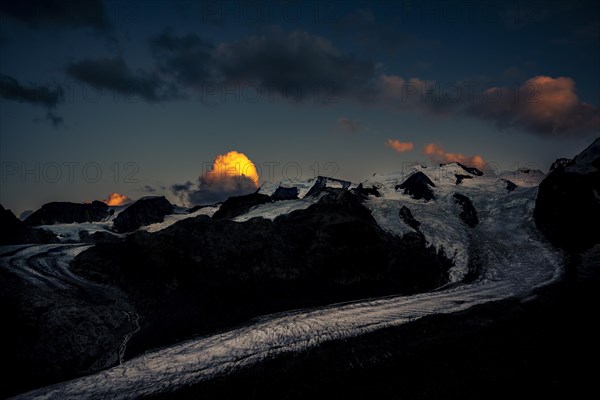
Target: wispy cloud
<point>399,146</point>
<point>47,96</point>
<point>436,153</point>
<point>348,125</point>
<point>114,74</point>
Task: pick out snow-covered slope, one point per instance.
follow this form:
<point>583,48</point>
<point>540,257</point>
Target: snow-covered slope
<point>273,210</point>
<point>303,186</point>
<point>439,219</point>
<point>524,177</point>
<point>70,232</point>
<point>179,216</point>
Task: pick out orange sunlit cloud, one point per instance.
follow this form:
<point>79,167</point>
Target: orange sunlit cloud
<point>544,105</point>
<point>116,199</point>
<point>232,174</point>
<point>399,146</point>
<point>232,164</point>
<point>437,154</point>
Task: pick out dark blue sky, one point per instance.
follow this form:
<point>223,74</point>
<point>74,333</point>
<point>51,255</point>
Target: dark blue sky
<point>135,97</point>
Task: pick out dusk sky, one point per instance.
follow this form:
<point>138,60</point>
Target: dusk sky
<point>139,98</point>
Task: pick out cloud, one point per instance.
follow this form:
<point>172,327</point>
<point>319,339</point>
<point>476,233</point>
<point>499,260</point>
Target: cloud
<point>188,59</point>
<point>211,190</point>
<point>543,105</point>
<point>399,146</point>
<point>295,64</point>
<point>48,96</point>
<point>233,174</point>
<point>437,154</point>
<point>114,74</point>
<point>45,95</point>
<point>148,189</point>
<point>297,60</point>
<point>54,118</point>
<point>418,94</point>
<point>116,199</point>
<point>298,65</point>
<point>182,187</point>
<point>58,13</point>
<point>347,125</point>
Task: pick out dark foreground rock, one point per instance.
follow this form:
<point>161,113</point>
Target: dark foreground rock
<point>14,231</point>
<point>56,328</point>
<point>202,274</point>
<point>145,211</point>
<point>66,213</point>
<point>567,209</point>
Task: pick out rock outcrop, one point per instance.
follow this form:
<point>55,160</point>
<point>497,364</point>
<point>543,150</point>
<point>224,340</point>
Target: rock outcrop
<point>14,231</point>
<point>59,212</point>
<point>471,170</point>
<point>145,211</point>
<point>468,213</point>
<point>285,193</point>
<point>418,186</point>
<point>238,205</point>
<point>407,217</point>
<point>567,209</point>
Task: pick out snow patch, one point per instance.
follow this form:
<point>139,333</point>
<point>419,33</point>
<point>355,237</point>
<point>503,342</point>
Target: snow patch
<point>173,218</point>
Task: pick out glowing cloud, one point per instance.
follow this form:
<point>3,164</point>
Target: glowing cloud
<point>437,154</point>
<point>543,105</point>
<point>399,146</point>
<point>116,199</point>
<point>233,164</point>
<point>232,174</point>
